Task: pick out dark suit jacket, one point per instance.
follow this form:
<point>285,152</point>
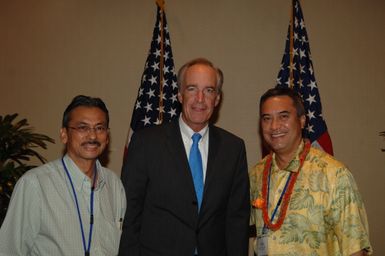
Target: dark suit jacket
<point>162,215</point>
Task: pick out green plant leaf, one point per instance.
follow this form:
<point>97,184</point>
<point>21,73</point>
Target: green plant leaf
<point>18,144</point>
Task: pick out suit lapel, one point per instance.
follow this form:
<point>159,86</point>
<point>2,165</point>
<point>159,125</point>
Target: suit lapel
<point>178,155</point>
<point>214,144</point>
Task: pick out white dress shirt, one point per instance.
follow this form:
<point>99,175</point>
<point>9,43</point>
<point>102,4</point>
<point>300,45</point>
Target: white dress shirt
<point>203,144</point>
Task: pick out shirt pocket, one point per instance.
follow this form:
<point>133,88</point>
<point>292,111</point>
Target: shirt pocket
<point>110,237</point>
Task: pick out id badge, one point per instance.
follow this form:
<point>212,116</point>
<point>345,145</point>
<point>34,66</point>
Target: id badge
<point>262,247</point>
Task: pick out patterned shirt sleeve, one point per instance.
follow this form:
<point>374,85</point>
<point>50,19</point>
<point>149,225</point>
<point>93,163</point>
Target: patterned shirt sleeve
<point>348,214</point>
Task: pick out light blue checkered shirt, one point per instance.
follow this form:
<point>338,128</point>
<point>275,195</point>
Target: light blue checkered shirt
<point>42,218</point>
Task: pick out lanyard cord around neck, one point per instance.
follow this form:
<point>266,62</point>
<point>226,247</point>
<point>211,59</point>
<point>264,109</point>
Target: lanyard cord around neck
<point>286,194</point>
<point>280,198</point>
<point>88,248</point>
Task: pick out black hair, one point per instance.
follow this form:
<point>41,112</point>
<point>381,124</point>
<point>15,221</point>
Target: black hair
<point>85,101</point>
<point>281,91</point>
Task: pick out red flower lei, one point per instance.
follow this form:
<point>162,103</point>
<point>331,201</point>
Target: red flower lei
<point>286,196</point>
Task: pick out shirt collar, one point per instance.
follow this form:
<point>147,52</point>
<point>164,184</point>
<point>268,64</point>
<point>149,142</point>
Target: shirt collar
<point>294,163</point>
<point>188,132</point>
<point>79,179</point>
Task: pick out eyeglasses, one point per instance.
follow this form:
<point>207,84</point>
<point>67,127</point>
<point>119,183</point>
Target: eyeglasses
<point>208,92</point>
<point>85,129</point>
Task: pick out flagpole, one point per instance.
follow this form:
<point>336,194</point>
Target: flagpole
<point>291,80</point>
<point>161,4</point>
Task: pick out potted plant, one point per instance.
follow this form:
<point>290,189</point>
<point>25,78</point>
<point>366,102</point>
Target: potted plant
<point>17,146</point>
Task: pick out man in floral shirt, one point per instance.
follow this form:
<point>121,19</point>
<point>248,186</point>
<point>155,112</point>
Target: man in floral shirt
<point>304,201</point>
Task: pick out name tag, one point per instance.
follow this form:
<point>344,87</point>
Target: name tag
<point>262,245</point>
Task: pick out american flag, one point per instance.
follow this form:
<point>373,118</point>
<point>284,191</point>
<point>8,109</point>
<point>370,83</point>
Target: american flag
<point>297,72</point>
<point>157,100</point>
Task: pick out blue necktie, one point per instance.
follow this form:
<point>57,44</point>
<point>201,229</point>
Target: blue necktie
<point>195,161</point>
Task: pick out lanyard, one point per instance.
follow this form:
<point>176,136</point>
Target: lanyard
<point>280,198</point>
<point>86,250</point>
<point>286,194</point>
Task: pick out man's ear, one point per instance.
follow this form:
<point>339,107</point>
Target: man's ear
<point>63,135</point>
<point>108,138</point>
<point>180,98</point>
<point>217,99</point>
<point>303,121</point>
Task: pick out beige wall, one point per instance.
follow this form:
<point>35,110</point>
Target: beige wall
<point>52,50</point>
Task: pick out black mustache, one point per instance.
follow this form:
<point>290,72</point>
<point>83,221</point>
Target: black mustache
<point>91,142</point>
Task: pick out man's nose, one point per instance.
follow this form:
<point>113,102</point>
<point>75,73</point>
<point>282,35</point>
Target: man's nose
<point>200,96</point>
<point>92,133</point>
<point>275,124</point>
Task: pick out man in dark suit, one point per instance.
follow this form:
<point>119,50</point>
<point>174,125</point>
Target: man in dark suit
<point>187,197</point>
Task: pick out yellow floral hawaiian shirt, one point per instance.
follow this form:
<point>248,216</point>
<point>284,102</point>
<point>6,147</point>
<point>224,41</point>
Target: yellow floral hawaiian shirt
<point>326,215</point>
